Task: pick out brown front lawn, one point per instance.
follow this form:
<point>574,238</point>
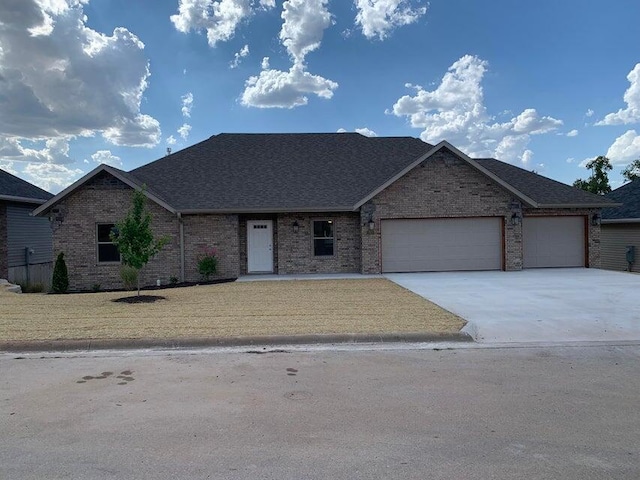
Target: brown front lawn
<point>227,310</point>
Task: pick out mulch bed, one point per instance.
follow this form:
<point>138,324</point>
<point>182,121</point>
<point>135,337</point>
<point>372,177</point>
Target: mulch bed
<point>140,299</point>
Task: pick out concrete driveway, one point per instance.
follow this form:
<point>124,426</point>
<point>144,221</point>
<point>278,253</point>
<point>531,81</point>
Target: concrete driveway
<point>542,305</point>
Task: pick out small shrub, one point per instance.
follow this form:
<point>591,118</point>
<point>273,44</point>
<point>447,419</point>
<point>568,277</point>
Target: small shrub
<point>129,276</point>
<point>207,263</point>
<point>31,287</point>
<point>60,281</point>
<point>95,287</point>
<point>173,280</point>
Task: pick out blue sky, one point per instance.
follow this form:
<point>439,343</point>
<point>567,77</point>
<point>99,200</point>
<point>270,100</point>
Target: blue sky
<point>543,85</point>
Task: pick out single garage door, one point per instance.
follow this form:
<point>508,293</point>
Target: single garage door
<point>553,242</point>
<point>436,245</point>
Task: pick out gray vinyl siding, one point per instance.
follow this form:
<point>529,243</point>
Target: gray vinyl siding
<point>23,231</point>
<point>613,245</point>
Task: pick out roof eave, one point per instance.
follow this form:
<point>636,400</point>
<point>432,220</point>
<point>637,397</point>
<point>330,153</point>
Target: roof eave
<point>229,211</point>
<point>620,220</point>
<point>444,144</point>
<point>45,207</point>
<point>579,205</point>
<point>12,198</point>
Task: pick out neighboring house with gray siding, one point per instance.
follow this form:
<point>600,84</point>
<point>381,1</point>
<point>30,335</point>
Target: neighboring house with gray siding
<point>26,245</point>
<point>327,203</point>
<point>621,228</point>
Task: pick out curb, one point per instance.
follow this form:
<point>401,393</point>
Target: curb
<point>199,342</point>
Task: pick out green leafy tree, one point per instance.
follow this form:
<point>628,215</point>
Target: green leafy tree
<point>60,280</point>
<point>134,237</point>
<point>632,172</point>
<point>598,182</point>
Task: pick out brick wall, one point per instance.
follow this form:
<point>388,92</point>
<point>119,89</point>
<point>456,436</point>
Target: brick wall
<point>4,261</point>
<point>107,200</point>
<point>446,186</point>
<point>442,186</point>
<point>295,250</point>
<point>218,231</point>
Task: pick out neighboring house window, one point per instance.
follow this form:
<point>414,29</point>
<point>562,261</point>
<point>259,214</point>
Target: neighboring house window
<point>107,251</point>
<point>323,238</point>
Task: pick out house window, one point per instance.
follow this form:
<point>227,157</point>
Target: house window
<point>323,238</point>
<point>107,251</point>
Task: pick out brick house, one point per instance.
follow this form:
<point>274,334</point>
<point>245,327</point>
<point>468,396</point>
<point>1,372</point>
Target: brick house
<point>327,203</point>
<point>25,241</point>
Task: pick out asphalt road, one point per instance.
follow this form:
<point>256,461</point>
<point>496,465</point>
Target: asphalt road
<point>468,413</point>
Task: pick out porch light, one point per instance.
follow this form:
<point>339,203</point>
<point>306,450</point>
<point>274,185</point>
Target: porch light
<point>516,218</point>
<point>596,219</point>
<point>296,226</point>
<point>371,224</point>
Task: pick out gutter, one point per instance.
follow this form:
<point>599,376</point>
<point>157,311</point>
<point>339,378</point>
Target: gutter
<point>267,210</point>
<point>11,198</point>
<point>181,226</point>
<point>579,205</point>
<point>605,221</point>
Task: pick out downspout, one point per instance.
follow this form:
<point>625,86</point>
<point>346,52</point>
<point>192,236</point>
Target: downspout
<point>181,246</point>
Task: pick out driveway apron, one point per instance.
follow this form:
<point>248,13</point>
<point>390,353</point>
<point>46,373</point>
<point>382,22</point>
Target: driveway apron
<point>538,305</point>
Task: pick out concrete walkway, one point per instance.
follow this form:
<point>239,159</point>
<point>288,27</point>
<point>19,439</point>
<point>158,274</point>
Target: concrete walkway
<point>306,276</point>
<point>542,305</point>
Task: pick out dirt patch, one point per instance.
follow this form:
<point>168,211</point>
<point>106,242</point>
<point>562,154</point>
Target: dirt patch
<point>139,299</point>
<point>296,307</point>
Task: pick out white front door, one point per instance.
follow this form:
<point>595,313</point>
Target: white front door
<point>259,246</point>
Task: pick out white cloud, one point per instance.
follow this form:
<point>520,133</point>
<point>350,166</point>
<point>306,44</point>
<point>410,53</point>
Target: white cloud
<point>51,176</point>
<point>378,18</point>
<point>455,111</point>
<point>303,26</point>
<point>341,130</point>
<point>301,33</point>
<point>631,114</point>
<point>571,160</point>
<point>61,79</point>
<point>219,18</point>
<point>238,56</point>
<point>171,140</point>
<point>589,113</point>
<point>184,131</point>
<point>107,158</point>
<point>187,104</point>
<point>572,133</point>
<point>367,132</point>
<point>278,89</point>
<point>625,149</point>
<point>8,167</point>
<point>54,150</point>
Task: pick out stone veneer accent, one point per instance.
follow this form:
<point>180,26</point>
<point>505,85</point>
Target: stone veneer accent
<point>106,200</point>
<point>4,248</point>
<point>218,231</point>
<point>446,186</point>
<point>295,250</point>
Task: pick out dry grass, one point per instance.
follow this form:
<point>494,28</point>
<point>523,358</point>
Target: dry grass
<point>227,310</point>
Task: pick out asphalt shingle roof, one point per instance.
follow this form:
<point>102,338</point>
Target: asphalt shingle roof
<point>12,186</point>
<point>542,190</point>
<point>246,172</point>
<point>629,196</point>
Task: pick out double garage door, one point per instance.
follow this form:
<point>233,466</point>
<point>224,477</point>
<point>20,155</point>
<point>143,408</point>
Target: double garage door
<point>436,245</point>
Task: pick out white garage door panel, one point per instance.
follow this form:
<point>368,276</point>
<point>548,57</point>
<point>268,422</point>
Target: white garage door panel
<point>441,245</point>
<point>553,242</point>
